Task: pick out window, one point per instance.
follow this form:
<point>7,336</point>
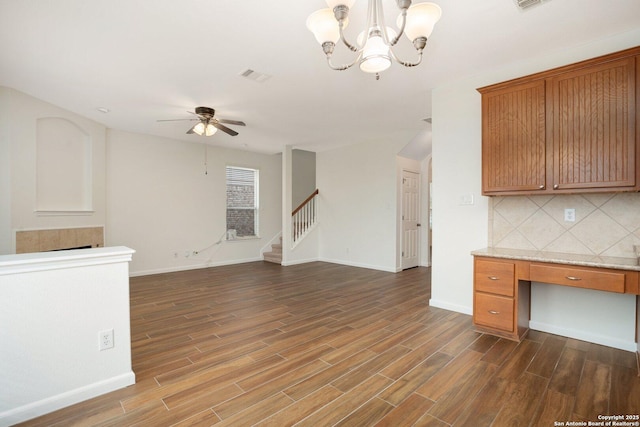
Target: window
<point>242,202</point>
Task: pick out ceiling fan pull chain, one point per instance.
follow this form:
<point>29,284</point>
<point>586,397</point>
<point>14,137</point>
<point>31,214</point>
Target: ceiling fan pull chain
<point>206,171</point>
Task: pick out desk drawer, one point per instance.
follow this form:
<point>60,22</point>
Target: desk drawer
<point>495,277</point>
<point>493,311</point>
<point>578,277</point>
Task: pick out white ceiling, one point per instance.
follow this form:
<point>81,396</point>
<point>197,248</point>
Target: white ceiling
<point>155,59</point>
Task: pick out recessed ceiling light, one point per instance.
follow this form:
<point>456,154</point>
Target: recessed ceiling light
<point>104,110</point>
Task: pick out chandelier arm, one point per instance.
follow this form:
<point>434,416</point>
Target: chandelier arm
<point>351,47</point>
<point>406,63</point>
<point>342,67</point>
<point>401,31</point>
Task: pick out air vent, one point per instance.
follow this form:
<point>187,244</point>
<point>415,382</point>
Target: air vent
<point>524,4</point>
<point>254,75</point>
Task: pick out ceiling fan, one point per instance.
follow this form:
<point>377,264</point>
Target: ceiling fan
<point>207,124</point>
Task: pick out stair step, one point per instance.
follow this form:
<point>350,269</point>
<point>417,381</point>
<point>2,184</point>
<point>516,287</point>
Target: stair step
<point>273,257</point>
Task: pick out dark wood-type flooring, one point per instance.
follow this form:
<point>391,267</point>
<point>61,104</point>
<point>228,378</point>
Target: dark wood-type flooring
<point>322,345</point>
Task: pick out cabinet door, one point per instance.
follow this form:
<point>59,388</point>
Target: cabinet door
<point>513,138</point>
<point>592,137</point>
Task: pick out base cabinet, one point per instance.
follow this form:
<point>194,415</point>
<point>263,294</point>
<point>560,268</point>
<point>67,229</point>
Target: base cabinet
<point>500,300</point>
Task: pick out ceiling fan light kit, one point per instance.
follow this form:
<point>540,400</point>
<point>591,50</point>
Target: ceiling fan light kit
<point>202,129</point>
<point>374,48</point>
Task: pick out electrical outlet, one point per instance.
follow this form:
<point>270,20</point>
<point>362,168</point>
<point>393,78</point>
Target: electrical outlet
<point>106,339</point>
<point>570,215</point>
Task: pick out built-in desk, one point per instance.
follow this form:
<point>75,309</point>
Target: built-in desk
<point>502,284</point>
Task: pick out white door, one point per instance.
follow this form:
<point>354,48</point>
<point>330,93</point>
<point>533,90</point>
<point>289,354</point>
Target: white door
<point>410,219</point>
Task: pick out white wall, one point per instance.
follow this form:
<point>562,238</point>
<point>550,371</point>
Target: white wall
<point>53,307</point>
<point>5,175</point>
<point>18,135</point>
<point>304,176</point>
<point>457,229</point>
<point>162,204</point>
<point>457,171</point>
<point>358,204</point>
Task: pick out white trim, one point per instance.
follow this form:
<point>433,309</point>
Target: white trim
<point>451,307</point>
<point>299,261</point>
<point>583,336</point>
<point>62,400</point>
<point>63,212</point>
<point>41,261</point>
<point>193,267</point>
<point>360,265</point>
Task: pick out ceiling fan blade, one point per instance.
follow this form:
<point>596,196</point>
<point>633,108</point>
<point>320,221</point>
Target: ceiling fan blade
<point>190,131</point>
<point>225,129</point>
<point>232,122</point>
<point>175,120</point>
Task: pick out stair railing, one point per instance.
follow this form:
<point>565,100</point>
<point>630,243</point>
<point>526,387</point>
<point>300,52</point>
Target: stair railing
<point>304,217</point>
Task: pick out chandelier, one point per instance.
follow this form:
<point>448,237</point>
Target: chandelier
<point>373,48</point>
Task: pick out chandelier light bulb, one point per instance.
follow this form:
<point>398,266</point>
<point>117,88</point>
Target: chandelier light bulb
<point>324,26</point>
<point>421,18</point>
<point>375,54</point>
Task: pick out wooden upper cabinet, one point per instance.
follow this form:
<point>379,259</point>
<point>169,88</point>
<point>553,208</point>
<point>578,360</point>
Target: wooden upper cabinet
<point>568,130</point>
<point>593,130</point>
<point>513,135</point>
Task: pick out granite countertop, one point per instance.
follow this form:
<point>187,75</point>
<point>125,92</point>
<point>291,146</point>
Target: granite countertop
<point>561,258</point>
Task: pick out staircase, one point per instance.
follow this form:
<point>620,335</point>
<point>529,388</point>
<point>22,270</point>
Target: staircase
<point>303,219</point>
<point>275,255</point>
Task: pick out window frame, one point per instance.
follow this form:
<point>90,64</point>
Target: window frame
<point>256,203</point>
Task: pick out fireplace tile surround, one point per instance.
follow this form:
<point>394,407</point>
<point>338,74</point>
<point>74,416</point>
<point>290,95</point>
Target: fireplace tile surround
<point>28,241</point>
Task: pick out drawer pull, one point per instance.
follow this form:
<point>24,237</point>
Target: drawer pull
<point>493,312</point>
<point>574,278</point>
<point>493,278</point>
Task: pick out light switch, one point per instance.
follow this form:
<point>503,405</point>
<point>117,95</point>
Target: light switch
<point>466,199</point>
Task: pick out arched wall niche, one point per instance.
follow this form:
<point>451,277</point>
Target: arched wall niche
<point>63,166</point>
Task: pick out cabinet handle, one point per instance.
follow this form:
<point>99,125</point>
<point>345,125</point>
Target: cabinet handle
<point>556,186</point>
<point>493,278</point>
<point>493,312</point>
<point>574,278</point>
<point>541,187</point>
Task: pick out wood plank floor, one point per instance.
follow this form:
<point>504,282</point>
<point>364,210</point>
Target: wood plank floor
<point>322,344</point>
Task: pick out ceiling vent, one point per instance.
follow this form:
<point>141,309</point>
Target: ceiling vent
<point>525,4</point>
<point>254,75</point>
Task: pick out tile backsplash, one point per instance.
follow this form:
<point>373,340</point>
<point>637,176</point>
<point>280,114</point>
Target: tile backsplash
<point>605,224</point>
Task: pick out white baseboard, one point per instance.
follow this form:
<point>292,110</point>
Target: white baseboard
<point>451,307</point>
<point>360,265</point>
<point>583,336</point>
<point>192,267</point>
<point>62,400</point>
<point>299,261</point>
